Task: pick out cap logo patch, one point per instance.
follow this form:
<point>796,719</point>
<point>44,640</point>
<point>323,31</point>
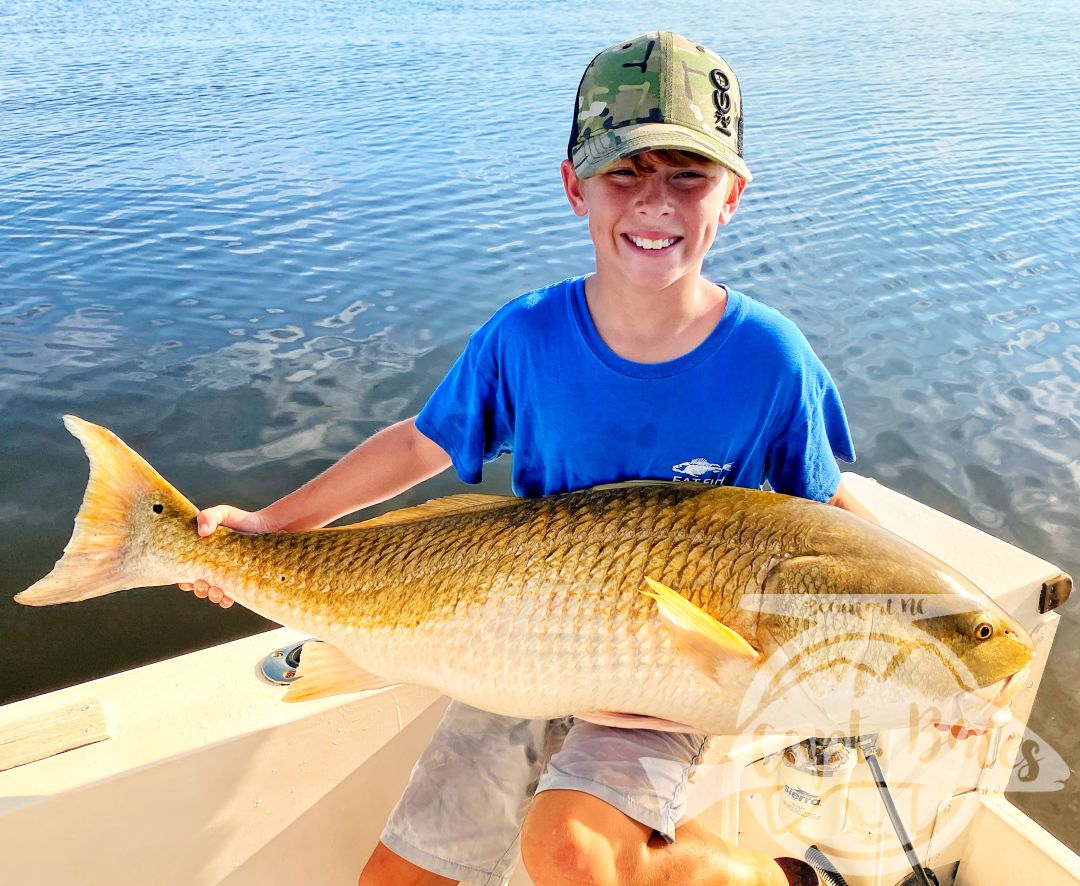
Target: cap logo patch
<point>721,100</point>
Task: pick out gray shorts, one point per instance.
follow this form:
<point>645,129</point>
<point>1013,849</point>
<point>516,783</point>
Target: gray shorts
<point>461,813</point>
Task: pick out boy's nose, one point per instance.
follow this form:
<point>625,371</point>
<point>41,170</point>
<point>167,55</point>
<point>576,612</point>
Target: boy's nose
<point>654,195</point>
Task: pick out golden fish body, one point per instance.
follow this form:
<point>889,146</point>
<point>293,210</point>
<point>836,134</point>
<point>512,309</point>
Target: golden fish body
<point>535,607</point>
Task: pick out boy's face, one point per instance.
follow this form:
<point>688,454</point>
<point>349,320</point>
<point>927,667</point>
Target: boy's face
<point>654,228</point>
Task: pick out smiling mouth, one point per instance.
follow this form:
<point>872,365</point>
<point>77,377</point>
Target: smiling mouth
<point>652,245</point>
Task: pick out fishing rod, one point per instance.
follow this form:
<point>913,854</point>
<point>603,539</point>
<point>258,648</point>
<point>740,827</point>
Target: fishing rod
<point>923,876</point>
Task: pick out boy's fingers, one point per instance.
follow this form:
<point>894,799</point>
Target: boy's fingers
<point>210,519</point>
<point>204,590</point>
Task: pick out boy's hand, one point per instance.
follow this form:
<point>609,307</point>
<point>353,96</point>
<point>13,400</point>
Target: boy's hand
<point>231,518</point>
<point>210,519</point>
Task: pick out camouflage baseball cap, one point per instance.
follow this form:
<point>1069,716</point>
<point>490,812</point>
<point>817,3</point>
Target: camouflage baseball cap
<point>658,90</point>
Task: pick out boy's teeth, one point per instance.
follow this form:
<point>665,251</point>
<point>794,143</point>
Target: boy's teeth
<point>650,244</point>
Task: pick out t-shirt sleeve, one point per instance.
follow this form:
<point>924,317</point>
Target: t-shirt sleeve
<point>470,415</point>
<point>813,434</point>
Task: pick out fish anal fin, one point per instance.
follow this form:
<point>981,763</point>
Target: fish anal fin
<point>325,670</point>
<point>633,721</point>
<point>704,640</point>
<point>438,507</point>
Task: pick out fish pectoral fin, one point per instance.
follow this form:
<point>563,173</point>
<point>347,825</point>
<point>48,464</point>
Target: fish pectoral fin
<point>439,507</point>
<point>325,670</point>
<point>706,641</point>
<point>634,721</point>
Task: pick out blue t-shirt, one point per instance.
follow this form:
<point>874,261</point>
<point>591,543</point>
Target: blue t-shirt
<point>751,403</point>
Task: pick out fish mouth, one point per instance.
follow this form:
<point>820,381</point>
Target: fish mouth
<point>1002,692</point>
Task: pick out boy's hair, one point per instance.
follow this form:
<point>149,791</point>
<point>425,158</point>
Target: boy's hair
<point>645,161</point>
<point>658,90</point>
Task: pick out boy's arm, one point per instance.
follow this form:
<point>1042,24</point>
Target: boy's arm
<point>388,463</point>
<point>843,498</point>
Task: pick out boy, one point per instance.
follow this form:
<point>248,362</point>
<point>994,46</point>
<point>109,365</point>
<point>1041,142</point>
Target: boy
<point>643,370</point>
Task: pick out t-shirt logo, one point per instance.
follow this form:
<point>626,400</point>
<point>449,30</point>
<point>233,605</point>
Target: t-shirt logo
<point>701,470</point>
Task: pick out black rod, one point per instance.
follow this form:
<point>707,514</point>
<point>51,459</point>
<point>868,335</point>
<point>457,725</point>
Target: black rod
<point>866,743</point>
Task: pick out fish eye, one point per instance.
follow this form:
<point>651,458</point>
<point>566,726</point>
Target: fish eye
<point>158,508</point>
<point>984,630</point>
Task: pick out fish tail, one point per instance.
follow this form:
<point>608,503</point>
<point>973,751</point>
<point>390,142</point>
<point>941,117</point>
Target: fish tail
<point>112,546</point>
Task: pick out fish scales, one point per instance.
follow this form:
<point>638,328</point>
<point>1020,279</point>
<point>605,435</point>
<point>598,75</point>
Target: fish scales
<point>417,567</point>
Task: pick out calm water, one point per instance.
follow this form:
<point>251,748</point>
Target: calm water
<point>246,236</point>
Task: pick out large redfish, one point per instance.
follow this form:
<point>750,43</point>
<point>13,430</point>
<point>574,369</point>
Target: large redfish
<point>669,605</point>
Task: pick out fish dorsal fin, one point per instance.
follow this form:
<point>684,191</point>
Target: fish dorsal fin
<point>438,507</point>
<point>325,670</point>
<point>629,484</point>
<point>706,641</point>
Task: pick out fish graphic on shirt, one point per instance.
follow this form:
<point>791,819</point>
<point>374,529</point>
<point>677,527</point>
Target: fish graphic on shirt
<point>698,467</point>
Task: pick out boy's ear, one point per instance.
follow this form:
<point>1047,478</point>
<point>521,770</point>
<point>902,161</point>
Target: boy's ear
<point>572,186</point>
<point>733,197</point>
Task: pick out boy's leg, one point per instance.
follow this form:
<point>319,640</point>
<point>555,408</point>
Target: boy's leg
<point>606,813</point>
<point>460,815</point>
<point>387,868</point>
<point>575,838</point>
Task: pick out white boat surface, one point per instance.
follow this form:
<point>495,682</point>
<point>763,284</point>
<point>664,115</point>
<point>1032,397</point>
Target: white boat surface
<point>193,771</point>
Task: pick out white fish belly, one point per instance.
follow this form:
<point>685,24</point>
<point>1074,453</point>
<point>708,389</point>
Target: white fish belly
<point>551,657</point>
<point>518,661</point>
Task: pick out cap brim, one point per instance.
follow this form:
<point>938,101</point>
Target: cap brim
<point>603,149</point>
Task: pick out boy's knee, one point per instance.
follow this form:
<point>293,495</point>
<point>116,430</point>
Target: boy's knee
<point>573,854</point>
<point>575,838</point>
